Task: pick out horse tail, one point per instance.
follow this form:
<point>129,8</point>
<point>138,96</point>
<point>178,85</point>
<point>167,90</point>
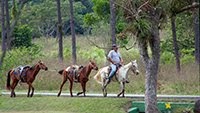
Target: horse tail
<point>97,77</point>
<point>8,80</point>
<point>60,72</point>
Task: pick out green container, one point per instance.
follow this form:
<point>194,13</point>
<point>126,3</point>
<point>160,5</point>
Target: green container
<point>164,107</point>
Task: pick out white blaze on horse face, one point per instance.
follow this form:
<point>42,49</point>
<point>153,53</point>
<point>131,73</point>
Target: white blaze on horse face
<point>135,70</point>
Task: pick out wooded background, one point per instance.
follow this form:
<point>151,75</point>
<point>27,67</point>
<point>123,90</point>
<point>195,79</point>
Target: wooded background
<point>164,31</point>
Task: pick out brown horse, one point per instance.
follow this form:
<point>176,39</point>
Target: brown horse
<point>83,74</point>
<point>30,73</point>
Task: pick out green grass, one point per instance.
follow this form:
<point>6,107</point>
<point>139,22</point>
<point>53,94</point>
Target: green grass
<point>44,104</point>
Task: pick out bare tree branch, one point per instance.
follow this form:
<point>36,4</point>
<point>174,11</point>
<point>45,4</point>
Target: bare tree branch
<point>143,5</point>
<point>128,48</point>
<point>96,45</point>
<point>192,6</point>
<point>137,11</point>
<point>124,8</point>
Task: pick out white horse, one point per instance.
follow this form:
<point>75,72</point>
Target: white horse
<point>121,76</point>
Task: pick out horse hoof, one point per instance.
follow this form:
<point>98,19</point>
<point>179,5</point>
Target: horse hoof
<point>58,95</point>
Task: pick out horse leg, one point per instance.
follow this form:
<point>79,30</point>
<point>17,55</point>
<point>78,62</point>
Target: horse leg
<point>104,85</point>
<point>70,87</point>
<point>84,88</point>
<point>64,80</point>
<point>32,90</point>
<point>14,84</point>
<point>29,89</point>
<point>123,89</point>
<point>104,90</point>
<point>122,84</point>
<point>83,84</point>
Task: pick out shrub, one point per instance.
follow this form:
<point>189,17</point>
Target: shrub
<point>93,53</point>
<point>22,36</point>
<point>187,59</point>
<point>167,58</point>
<point>20,56</point>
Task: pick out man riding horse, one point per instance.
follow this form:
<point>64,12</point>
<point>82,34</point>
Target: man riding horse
<point>114,57</point>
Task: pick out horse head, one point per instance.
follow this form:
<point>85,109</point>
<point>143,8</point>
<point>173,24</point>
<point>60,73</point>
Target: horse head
<point>134,67</point>
<point>42,65</point>
<point>93,65</point>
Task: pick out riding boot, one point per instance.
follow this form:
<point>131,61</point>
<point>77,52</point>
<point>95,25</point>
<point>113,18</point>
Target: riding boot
<point>127,81</point>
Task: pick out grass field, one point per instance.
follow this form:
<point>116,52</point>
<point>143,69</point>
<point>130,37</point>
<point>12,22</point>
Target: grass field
<point>49,104</point>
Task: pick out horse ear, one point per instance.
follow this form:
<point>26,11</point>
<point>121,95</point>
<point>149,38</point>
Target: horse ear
<point>39,61</point>
<point>135,61</point>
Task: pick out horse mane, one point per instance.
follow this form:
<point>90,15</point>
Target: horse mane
<point>83,68</point>
<point>32,67</point>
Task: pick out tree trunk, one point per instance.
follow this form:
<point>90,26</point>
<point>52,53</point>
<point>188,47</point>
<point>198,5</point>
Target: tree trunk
<point>3,44</point>
<point>112,21</point>
<point>8,35</point>
<point>72,32</point>
<point>59,30</point>
<point>15,20</point>
<point>151,63</point>
<point>176,49</point>
<point>196,35</point>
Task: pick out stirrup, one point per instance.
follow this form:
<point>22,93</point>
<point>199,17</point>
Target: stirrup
<point>75,80</point>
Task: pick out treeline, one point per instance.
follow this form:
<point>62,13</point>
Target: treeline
<point>42,16</point>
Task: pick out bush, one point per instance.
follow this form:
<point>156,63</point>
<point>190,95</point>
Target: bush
<point>19,56</point>
<point>187,59</point>
<point>22,36</point>
<point>93,53</point>
<point>167,58</point>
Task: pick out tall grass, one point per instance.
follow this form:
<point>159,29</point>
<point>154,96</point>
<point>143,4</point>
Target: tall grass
<point>169,81</point>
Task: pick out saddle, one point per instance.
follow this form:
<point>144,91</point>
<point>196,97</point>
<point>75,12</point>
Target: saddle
<point>75,72</point>
<point>20,73</point>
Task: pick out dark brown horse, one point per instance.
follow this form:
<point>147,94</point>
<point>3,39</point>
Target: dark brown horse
<point>83,75</point>
<point>30,74</point>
